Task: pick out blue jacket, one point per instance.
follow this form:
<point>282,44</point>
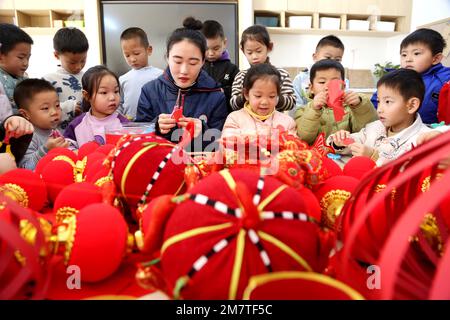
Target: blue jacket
<point>204,100</point>
<point>434,78</point>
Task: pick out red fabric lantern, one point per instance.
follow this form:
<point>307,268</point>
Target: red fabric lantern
<point>75,197</point>
<point>59,154</point>
<point>57,175</point>
<point>87,148</point>
<point>235,223</point>
<point>332,194</point>
<point>399,227</point>
<point>97,241</point>
<point>23,268</point>
<point>25,187</point>
<point>357,167</point>
<point>148,166</point>
<point>298,286</point>
<point>331,167</point>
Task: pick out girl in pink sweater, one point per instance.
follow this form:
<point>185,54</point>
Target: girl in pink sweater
<point>261,90</point>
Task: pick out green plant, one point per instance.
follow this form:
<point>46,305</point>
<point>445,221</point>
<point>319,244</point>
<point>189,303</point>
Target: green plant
<point>380,70</point>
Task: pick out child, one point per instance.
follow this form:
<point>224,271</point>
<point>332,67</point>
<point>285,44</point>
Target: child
<point>101,92</point>
<point>5,105</point>
<point>317,117</point>
<point>136,50</point>
<point>422,52</point>
<point>400,94</point>
<point>19,131</point>
<point>15,52</point>
<point>256,45</point>
<point>218,64</point>
<point>71,46</point>
<point>261,89</point>
<point>38,103</point>
<point>329,47</point>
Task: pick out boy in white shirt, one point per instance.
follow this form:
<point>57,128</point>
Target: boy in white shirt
<point>400,94</point>
<point>71,47</point>
<point>136,50</point>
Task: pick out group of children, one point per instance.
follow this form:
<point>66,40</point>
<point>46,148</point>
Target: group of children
<point>201,86</point>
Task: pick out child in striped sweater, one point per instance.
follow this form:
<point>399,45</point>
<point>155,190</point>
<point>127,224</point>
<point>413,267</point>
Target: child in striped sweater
<point>256,45</point>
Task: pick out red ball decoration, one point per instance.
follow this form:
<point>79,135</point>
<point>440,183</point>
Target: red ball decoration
<point>298,286</point>
<point>91,160</point>
<point>357,167</point>
<point>87,148</point>
<point>235,224</point>
<point>105,149</point>
<point>147,167</point>
<point>57,175</point>
<point>25,187</point>
<point>100,238</point>
<point>24,269</point>
<point>58,153</point>
<point>332,196</point>
<point>75,197</point>
<point>331,167</point>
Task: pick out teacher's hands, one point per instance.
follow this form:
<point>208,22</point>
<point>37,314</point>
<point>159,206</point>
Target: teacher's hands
<point>166,123</point>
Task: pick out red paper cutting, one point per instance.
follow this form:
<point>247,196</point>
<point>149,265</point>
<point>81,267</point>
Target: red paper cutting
<point>335,98</point>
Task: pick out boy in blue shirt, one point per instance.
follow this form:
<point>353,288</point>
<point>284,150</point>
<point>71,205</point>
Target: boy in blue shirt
<point>15,52</point>
<point>422,52</point>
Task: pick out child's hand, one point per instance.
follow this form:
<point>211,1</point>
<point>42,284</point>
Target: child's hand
<point>7,163</point>
<point>198,125</point>
<point>56,142</point>
<point>77,110</point>
<point>166,123</point>
<point>339,137</point>
<point>17,126</point>
<point>352,99</point>
<point>358,149</point>
<point>320,100</point>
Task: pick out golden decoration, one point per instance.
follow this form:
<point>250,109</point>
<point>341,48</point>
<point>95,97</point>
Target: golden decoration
<point>432,233</point>
<point>3,205</point>
<point>427,182</point>
<point>139,238</point>
<point>64,213</point>
<point>103,180</point>
<point>331,204</point>
<point>130,243</point>
<point>28,232</point>
<point>20,258</point>
<point>64,158</point>
<point>381,187</point>
<point>287,156</point>
<point>78,170</point>
<point>16,193</point>
<point>65,237</point>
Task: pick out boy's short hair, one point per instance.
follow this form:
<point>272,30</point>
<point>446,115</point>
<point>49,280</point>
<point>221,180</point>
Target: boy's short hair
<point>212,29</point>
<point>407,82</point>
<point>10,36</point>
<point>135,32</point>
<point>70,40</point>
<point>325,65</point>
<point>330,40</point>
<point>433,39</point>
<point>27,89</point>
